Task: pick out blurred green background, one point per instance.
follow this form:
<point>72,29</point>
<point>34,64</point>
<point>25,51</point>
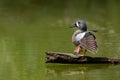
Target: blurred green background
<point>29,28</point>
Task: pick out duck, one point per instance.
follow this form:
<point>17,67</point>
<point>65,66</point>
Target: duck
<point>83,39</point>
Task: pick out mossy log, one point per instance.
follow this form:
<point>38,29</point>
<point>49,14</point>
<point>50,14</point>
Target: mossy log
<point>56,57</point>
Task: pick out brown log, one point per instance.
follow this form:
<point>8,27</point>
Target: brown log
<point>56,57</point>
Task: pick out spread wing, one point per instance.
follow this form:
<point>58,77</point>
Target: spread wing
<point>88,42</point>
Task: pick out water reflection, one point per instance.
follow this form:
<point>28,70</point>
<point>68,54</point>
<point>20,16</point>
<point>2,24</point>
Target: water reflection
<point>74,69</point>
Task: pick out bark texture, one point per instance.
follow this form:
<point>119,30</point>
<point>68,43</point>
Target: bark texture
<point>56,57</point>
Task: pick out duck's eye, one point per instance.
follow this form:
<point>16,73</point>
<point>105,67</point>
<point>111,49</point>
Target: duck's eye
<point>78,22</point>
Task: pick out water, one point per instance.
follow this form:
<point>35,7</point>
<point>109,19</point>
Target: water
<point>82,72</point>
<point>29,28</point>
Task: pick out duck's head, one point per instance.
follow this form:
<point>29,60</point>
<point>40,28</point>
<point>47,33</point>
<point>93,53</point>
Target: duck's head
<point>80,24</point>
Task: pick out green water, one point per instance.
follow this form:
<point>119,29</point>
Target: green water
<point>82,72</point>
<point>29,28</point>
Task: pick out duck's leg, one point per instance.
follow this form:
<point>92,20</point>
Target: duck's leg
<point>84,57</point>
<point>77,50</point>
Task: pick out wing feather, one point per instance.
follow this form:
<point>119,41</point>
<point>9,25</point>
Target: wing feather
<point>89,43</point>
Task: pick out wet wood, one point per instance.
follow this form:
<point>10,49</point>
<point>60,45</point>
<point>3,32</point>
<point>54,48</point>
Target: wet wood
<point>56,57</point>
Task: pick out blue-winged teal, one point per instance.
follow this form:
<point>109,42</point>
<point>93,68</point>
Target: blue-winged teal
<point>83,39</point>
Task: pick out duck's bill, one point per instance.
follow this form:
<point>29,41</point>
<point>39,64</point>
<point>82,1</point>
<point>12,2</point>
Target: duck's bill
<point>94,30</point>
<point>73,26</point>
